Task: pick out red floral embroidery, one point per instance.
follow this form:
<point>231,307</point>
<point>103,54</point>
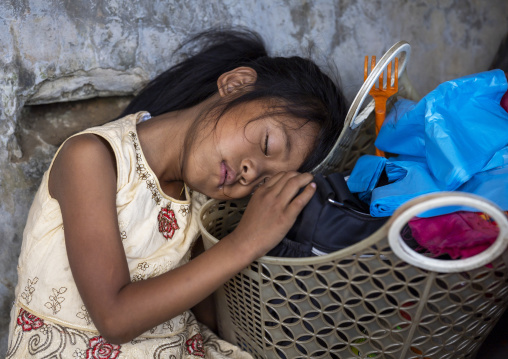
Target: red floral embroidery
<point>98,348</point>
<point>195,346</point>
<point>167,222</point>
<point>29,321</point>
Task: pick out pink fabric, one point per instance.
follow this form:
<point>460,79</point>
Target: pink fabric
<point>504,101</point>
<point>459,234</point>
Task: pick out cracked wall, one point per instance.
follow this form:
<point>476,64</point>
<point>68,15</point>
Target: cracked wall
<point>60,51</point>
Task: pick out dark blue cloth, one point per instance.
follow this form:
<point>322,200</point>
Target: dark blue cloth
<point>332,220</point>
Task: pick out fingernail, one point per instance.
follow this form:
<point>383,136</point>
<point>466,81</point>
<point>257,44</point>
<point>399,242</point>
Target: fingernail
<point>313,184</point>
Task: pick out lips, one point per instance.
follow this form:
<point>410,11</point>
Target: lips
<point>227,175</point>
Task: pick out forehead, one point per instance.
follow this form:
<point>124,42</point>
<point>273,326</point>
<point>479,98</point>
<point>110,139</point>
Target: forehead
<point>275,114</point>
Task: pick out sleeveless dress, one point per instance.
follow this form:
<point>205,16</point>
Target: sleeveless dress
<point>49,319</point>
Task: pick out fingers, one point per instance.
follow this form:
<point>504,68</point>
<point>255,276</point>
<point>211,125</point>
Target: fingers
<point>293,184</point>
<point>300,201</point>
<point>285,187</point>
<point>294,180</point>
<point>272,181</point>
<point>273,209</point>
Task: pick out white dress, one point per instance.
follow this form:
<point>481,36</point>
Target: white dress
<point>49,319</point>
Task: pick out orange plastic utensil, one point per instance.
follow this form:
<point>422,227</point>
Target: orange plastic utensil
<point>382,93</point>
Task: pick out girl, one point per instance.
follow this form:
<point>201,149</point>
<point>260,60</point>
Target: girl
<point>104,270</point>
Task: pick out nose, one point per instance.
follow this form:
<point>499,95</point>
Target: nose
<point>250,172</point>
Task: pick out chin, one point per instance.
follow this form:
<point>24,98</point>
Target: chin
<point>224,193</point>
<point>221,195</point>
<point>214,194</point>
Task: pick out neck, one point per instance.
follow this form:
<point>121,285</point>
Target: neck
<point>163,138</point>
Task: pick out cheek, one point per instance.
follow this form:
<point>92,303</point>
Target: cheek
<point>196,175</point>
<point>281,166</point>
<point>199,158</point>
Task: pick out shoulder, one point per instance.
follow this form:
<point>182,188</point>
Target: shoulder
<point>87,150</point>
<point>85,143</point>
<point>80,158</point>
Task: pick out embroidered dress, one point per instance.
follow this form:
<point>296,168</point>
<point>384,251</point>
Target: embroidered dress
<point>49,319</point>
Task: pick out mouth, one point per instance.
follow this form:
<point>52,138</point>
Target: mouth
<point>227,175</point>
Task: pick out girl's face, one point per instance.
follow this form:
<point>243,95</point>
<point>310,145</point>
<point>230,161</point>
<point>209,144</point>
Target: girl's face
<point>232,159</point>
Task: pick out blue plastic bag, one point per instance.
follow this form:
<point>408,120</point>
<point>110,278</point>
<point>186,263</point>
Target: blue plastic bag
<point>454,139</point>
<point>492,185</point>
<point>463,126</point>
<point>368,169</point>
<point>411,178</point>
<point>405,123</point>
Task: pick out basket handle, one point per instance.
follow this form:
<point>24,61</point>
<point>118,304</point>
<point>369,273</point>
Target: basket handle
<point>352,119</point>
<point>445,199</point>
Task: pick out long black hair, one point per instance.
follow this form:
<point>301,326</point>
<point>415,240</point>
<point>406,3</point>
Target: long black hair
<point>298,84</point>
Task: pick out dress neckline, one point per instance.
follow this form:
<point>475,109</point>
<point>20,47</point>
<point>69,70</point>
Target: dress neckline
<point>145,171</point>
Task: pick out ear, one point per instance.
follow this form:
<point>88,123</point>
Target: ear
<point>235,80</point>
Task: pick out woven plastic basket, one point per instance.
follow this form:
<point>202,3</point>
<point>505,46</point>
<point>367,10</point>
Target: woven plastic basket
<point>374,299</point>
<point>377,298</point>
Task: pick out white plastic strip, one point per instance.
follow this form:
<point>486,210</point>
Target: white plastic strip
<point>444,199</point>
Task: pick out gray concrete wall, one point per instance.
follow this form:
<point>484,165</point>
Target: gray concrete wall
<point>62,50</point>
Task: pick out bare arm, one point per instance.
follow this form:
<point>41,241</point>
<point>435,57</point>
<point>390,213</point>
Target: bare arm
<point>83,180</point>
<point>205,310</point>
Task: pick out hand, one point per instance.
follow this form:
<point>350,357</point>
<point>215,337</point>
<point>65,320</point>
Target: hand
<point>272,211</point>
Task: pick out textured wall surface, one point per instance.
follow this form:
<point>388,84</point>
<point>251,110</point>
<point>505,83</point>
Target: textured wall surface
<point>63,50</point>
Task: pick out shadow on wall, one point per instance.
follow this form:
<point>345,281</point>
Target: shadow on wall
<point>52,124</point>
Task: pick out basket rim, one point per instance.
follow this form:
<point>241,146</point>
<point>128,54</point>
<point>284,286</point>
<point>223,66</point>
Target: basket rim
<point>341,253</point>
<point>389,231</point>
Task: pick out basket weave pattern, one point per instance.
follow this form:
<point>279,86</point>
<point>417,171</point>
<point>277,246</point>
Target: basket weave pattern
<point>360,302</point>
